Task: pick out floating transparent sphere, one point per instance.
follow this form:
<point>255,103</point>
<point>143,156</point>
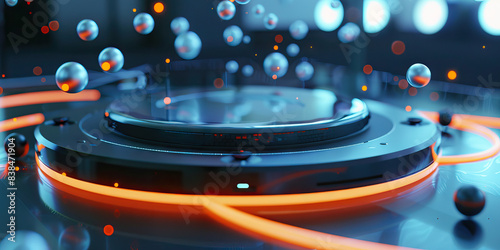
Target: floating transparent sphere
<point>242,1</point>
<point>298,29</point>
<point>247,70</point>
<point>304,71</point>
<point>275,65</point>
<point>87,30</point>
<point>232,66</point>
<point>226,10</point>
<point>11,3</point>
<point>111,59</point>
<point>418,75</point>
<point>74,238</point>
<point>72,77</point>
<point>179,25</point>
<point>233,35</point>
<point>144,23</point>
<point>258,10</point>
<point>188,45</point>
<point>247,39</point>
<point>293,50</point>
<point>349,32</point>
<point>270,21</point>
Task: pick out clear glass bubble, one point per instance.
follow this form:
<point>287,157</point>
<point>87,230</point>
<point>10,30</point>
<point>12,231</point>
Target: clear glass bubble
<point>247,39</point>
<point>304,71</point>
<point>87,30</point>
<point>270,21</point>
<point>179,25</point>
<point>72,77</point>
<point>247,70</point>
<point>275,65</point>
<point>111,59</point>
<point>242,1</point>
<point>233,35</point>
<point>349,32</point>
<point>11,3</point>
<point>298,29</point>
<point>74,238</point>
<point>418,75</point>
<point>293,50</point>
<point>226,10</point>
<point>258,10</point>
<point>144,23</point>
<point>232,66</point>
<point>188,45</point>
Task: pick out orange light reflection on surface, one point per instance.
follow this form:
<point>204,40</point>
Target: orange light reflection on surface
<point>21,122</point>
<point>51,96</point>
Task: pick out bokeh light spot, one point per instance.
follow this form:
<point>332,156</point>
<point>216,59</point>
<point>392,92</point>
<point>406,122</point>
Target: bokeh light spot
<point>45,29</point>
<point>403,84</point>
<point>108,230</point>
<point>368,69</point>
<point>116,184</point>
<point>134,10</point>
<point>218,83</point>
<point>452,75</point>
<point>275,47</point>
<point>275,77</point>
<point>54,25</point>
<point>278,38</point>
<point>159,7</point>
<point>412,91</point>
<point>167,60</point>
<point>37,70</point>
<point>43,79</point>
<point>65,87</point>
<point>63,174</point>
<point>364,88</point>
<point>105,66</point>
<point>408,108</point>
<point>398,47</point>
<point>396,78</point>
<point>167,100</point>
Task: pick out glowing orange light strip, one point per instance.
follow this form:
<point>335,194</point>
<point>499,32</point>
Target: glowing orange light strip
<point>470,124</point>
<point>21,122</point>
<point>251,224</point>
<point>47,97</point>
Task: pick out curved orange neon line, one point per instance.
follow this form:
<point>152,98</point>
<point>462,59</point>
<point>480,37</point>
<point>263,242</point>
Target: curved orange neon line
<point>127,197</point>
<point>470,124</point>
<point>51,96</point>
<point>21,122</point>
<point>251,224</point>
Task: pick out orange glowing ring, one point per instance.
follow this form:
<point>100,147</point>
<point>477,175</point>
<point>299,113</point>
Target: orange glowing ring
<point>21,122</point>
<point>51,96</point>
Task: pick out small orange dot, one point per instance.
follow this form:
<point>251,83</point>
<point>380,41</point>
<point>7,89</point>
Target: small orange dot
<point>275,47</point>
<point>106,114</point>
<point>408,108</point>
<point>159,7</point>
<point>105,66</point>
<point>37,70</point>
<point>396,78</point>
<point>45,29</point>
<point>230,39</point>
<point>364,88</point>
<point>134,10</point>
<point>3,75</point>
<point>219,83</point>
<point>54,25</point>
<point>368,69</point>
<point>63,174</point>
<point>278,38</point>
<point>167,100</point>
<point>65,87</point>
<point>43,79</point>
<point>255,54</point>
<point>116,184</point>
<point>311,46</point>
<point>275,77</point>
<point>452,75</point>
<point>17,168</point>
<point>167,60</point>
<point>398,47</point>
<point>484,47</point>
<point>412,91</point>
<point>434,96</point>
<point>15,119</point>
<point>108,230</point>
